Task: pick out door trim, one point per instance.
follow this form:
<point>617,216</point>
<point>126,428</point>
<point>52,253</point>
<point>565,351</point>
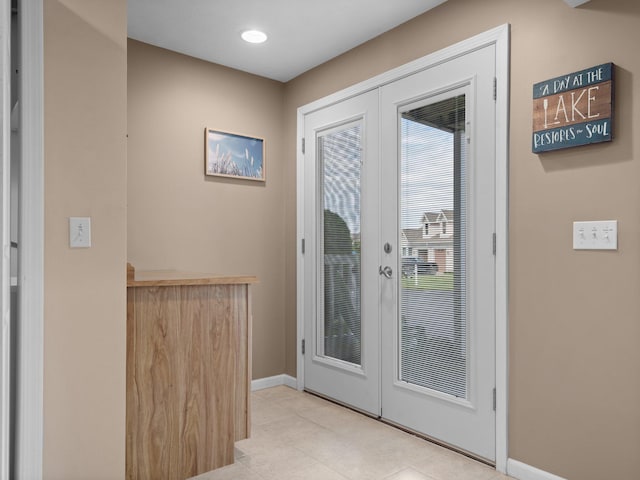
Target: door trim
<point>5,213</point>
<point>29,422</point>
<point>499,37</point>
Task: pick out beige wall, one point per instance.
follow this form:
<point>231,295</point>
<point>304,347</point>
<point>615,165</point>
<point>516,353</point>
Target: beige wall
<point>574,316</point>
<point>180,219</point>
<point>574,329</point>
<point>85,175</point>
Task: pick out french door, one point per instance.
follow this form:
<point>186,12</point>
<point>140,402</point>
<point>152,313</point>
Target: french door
<point>399,278</point>
<point>437,207</point>
<point>343,224</point>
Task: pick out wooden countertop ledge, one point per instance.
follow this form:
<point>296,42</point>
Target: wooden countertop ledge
<point>164,278</point>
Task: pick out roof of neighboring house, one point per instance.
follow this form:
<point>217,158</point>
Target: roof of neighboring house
<point>430,217</point>
<point>444,215</point>
<point>412,237</point>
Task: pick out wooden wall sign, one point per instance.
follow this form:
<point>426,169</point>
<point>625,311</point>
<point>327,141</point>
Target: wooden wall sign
<point>574,109</point>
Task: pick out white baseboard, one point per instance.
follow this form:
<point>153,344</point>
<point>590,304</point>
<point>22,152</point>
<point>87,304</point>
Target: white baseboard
<point>290,381</point>
<point>268,382</point>
<point>522,471</point>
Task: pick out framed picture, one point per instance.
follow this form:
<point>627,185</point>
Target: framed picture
<point>235,156</point>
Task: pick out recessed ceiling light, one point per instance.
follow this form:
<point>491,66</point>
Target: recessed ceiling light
<point>254,36</point>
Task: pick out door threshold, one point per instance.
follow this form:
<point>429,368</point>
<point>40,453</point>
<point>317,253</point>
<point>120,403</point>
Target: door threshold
<point>440,443</point>
<point>397,426</point>
<point>341,404</point>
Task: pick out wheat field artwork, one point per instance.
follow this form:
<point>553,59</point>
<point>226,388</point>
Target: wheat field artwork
<point>233,155</point>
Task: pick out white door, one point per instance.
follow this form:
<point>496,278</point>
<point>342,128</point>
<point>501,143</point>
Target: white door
<point>341,229</point>
<point>399,266</point>
<point>438,204</point>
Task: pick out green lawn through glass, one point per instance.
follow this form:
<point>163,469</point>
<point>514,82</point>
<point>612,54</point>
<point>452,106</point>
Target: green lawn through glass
<point>429,282</point>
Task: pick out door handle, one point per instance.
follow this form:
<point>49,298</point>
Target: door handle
<point>386,271</point>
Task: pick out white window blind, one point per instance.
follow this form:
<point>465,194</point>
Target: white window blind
<point>433,327</point>
<point>339,154</point>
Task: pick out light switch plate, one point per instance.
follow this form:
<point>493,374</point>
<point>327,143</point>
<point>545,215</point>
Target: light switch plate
<point>80,232</point>
<point>596,235</point>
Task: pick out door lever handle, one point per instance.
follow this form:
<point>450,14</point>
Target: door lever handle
<point>386,271</point>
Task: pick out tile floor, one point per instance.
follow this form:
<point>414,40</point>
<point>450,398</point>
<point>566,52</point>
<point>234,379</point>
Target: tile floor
<point>297,436</point>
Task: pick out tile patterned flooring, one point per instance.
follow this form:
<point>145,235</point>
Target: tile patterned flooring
<point>297,436</point>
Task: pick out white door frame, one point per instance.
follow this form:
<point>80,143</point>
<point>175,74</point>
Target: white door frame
<point>498,36</point>
<point>30,348</point>
<point>5,214</point>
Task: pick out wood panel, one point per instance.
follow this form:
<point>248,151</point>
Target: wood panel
<point>157,278</point>
<point>206,348</point>
<point>152,417</point>
<point>241,311</point>
<point>573,107</point>
<point>187,397</point>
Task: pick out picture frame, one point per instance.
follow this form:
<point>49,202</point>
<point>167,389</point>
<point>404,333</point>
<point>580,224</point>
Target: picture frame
<point>233,155</point>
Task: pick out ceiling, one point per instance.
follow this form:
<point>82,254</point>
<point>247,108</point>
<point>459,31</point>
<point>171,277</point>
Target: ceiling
<point>302,33</point>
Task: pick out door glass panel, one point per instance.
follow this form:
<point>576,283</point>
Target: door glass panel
<point>433,323</point>
<point>339,155</point>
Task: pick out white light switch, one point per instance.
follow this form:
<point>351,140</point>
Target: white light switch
<point>599,235</point>
<point>80,232</point>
